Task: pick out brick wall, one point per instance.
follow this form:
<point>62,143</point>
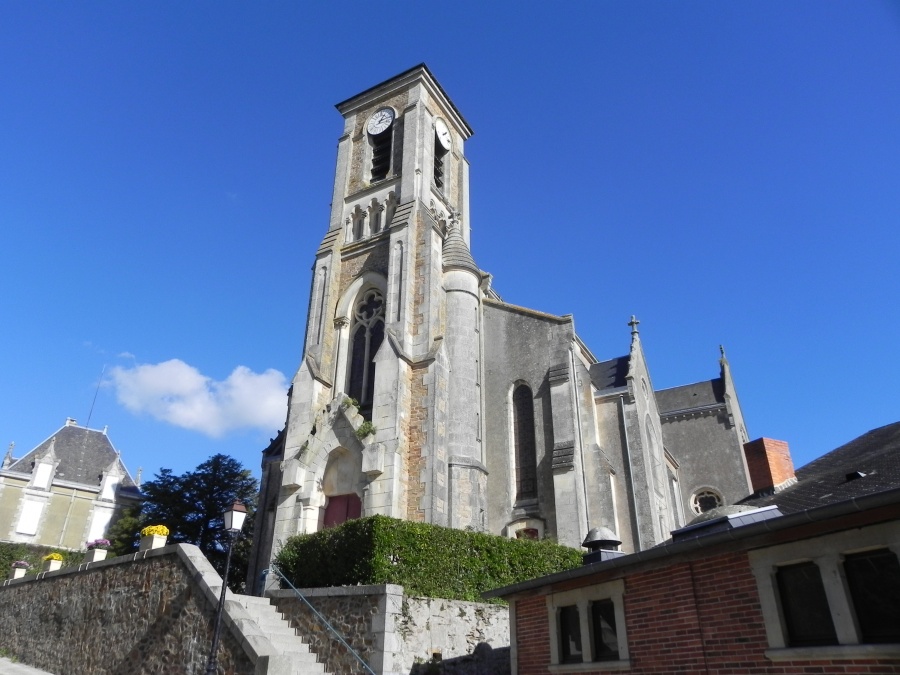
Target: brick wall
<point>694,617</point>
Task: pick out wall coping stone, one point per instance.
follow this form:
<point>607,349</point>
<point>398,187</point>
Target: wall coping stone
<point>375,589</point>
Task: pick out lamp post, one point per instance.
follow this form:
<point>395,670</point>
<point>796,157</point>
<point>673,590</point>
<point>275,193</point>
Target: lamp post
<point>234,521</point>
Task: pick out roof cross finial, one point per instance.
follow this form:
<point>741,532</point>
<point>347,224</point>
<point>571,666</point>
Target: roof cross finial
<point>634,324</point>
<point>8,460</point>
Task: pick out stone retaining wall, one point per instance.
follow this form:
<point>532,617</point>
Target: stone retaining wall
<point>149,612</point>
<point>399,635</point>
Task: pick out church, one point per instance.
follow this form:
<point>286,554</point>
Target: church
<point>422,395</point>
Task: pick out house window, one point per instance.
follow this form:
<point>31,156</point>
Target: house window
<point>29,517</point>
<point>366,337</point>
<point>837,592</point>
<point>587,626</point>
<point>804,606</point>
<point>569,635</point>
<point>873,578</point>
<point>603,631</point>
<point>42,475</point>
<point>524,441</point>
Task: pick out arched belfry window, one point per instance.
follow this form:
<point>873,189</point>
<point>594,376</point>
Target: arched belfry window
<point>366,337</point>
<point>526,453</point>
<point>380,128</point>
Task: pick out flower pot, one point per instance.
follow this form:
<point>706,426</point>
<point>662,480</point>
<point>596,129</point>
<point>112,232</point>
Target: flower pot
<point>51,565</point>
<point>17,572</point>
<point>95,555</point>
<point>152,541</point>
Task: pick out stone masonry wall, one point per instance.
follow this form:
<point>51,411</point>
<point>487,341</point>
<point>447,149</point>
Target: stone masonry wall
<point>417,435</point>
<point>396,634</point>
<point>116,616</point>
<point>351,611</point>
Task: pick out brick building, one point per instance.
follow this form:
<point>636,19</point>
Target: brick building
<point>775,586</point>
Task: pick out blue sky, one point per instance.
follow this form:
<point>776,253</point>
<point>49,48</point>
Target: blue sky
<point>729,172</point>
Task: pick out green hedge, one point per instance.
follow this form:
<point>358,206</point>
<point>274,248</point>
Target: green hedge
<point>429,561</point>
<point>9,553</point>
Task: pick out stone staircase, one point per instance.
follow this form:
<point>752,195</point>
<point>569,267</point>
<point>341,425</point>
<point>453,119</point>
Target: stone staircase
<point>293,652</point>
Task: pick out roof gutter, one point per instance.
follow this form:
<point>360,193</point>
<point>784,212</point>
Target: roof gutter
<point>817,515</point>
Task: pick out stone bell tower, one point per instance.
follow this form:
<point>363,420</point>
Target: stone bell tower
<point>385,412</point>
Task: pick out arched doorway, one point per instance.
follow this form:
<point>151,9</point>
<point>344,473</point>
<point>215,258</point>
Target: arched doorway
<point>342,485</point>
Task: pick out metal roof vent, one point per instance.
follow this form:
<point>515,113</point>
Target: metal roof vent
<point>602,544</point>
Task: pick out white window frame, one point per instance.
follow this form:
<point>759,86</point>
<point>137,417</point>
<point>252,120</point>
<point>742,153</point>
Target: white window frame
<point>101,517</point>
<point>43,475</point>
<point>828,554</point>
<point>582,598</point>
<point>30,517</point>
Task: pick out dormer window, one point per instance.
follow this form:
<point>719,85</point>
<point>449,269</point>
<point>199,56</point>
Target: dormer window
<point>380,128</point>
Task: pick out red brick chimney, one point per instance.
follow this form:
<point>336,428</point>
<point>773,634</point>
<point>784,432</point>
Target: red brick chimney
<point>770,464</point>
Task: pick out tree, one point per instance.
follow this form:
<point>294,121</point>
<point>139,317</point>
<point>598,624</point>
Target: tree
<point>191,506</point>
<point>124,534</point>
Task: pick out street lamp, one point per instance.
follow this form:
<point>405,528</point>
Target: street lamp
<point>234,521</point>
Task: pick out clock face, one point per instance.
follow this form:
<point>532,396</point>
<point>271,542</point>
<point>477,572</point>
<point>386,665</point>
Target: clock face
<point>443,134</point>
<point>380,121</point>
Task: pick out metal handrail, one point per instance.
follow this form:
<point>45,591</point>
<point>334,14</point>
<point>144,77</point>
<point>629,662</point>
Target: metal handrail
<point>322,619</point>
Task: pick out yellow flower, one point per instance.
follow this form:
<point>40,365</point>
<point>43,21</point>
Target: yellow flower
<point>53,556</point>
<point>160,530</point>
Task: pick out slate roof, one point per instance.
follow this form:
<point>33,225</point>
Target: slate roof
<point>610,374</point>
<point>83,454</point>
<point>830,478</point>
<point>697,395</point>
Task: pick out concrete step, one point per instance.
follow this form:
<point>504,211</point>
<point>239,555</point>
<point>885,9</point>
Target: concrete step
<point>282,636</point>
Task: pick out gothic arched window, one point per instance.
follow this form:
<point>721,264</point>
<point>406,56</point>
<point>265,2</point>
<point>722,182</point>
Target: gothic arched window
<point>526,455</point>
<point>366,337</point>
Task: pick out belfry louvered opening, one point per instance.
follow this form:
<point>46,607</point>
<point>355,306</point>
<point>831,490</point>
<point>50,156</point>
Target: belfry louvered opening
<point>381,154</point>
<point>439,154</point>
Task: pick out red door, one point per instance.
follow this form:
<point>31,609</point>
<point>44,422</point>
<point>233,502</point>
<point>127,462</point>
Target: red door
<point>342,508</point>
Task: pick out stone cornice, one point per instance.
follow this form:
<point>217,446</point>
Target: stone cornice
<point>700,411</point>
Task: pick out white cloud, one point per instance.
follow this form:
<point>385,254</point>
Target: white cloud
<point>177,393</point>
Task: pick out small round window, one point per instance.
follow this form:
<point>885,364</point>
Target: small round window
<point>705,500</point>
